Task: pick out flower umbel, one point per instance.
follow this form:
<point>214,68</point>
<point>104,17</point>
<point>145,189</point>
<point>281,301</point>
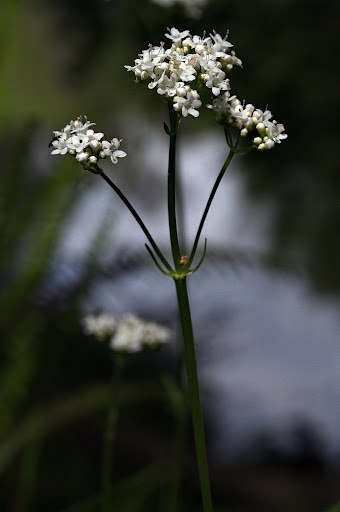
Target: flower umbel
<point>230,111</point>
<point>182,71</point>
<point>87,146</point>
<point>130,334</point>
<point>133,334</point>
<point>193,64</point>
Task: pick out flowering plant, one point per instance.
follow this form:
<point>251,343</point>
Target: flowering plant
<point>182,73</point>
<point>193,71</point>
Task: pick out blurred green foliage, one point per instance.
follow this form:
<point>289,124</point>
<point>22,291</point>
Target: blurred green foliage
<point>59,60</point>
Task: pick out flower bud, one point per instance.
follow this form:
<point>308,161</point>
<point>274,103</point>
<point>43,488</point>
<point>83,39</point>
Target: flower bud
<point>82,157</point>
<point>248,123</point>
<point>144,75</point>
<point>261,128</point>
<point>256,116</point>
<point>244,132</point>
<point>257,140</point>
<point>181,91</point>
<point>269,144</point>
<point>93,159</point>
<point>102,154</point>
<point>95,145</point>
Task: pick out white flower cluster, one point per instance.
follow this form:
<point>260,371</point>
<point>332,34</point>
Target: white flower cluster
<point>229,109</point>
<point>193,8</point>
<point>130,335</point>
<point>180,72</point>
<point>79,140</point>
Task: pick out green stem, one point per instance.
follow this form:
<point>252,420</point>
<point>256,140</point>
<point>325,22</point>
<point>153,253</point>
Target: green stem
<point>138,219</point>
<point>109,435</point>
<point>28,478</point>
<point>172,189</point>
<point>206,210</point>
<point>177,395</point>
<point>191,370</point>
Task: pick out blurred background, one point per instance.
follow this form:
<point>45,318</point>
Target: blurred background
<point>265,302</point>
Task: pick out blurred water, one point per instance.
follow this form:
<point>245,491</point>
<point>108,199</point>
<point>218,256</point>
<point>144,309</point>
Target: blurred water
<point>268,347</point>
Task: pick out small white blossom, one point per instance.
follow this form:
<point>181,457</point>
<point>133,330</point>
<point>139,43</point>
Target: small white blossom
<point>175,35</point>
<point>111,149</point>
<point>60,145</point>
<point>79,126</point>
<point>188,104</point>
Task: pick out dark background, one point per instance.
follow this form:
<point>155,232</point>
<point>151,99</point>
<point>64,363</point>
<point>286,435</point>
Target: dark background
<point>59,60</point>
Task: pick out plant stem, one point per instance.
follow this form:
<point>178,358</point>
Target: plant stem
<point>178,400</point>
<point>191,370</point>
<point>138,219</point>
<point>206,210</point>
<point>109,435</point>
<point>172,189</point>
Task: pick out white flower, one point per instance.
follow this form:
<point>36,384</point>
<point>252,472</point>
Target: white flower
<point>85,144</point>
<point>79,126</point>
<point>221,107</point>
<point>111,149</point>
<point>78,142</point>
<point>275,132</point>
<point>148,61</point>
<point>133,334</point>
<point>215,78</point>
<point>196,43</point>
<point>188,104</point>
<point>101,326</point>
<point>169,86</point>
<point>221,45</point>
<point>231,60</point>
<point>175,35</point>
<point>60,144</point>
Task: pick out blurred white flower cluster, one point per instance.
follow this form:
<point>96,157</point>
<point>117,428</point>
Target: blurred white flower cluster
<point>79,140</point>
<point>130,334</point>
<point>183,73</point>
<point>193,8</point>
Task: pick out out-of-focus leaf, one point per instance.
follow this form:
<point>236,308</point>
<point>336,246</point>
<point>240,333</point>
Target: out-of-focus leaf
<point>130,494</point>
